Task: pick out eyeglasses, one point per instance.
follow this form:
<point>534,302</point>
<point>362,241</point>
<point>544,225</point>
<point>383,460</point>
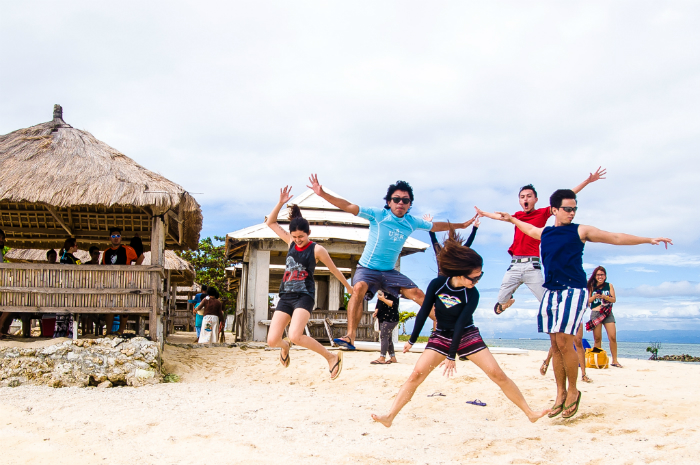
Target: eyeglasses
<point>115,236</point>
<point>569,209</point>
<point>475,280</point>
<point>405,200</point>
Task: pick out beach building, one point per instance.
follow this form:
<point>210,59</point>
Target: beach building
<point>57,182</point>
<point>261,256</point>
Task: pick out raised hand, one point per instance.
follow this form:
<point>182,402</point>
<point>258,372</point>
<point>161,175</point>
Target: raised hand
<point>599,174</point>
<point>285,194</point>
<point>428,217</point>
<point>315,185</point>
<point>477,221</point>
<point>659,240</point>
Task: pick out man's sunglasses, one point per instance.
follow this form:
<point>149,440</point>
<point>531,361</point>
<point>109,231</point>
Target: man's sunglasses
<point>405,200</point>
<point>569,209</point>
<point>475,280</point>
<point>114,236</point>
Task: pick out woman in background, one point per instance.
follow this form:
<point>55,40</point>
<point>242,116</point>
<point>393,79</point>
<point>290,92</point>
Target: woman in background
<point>601,299</point>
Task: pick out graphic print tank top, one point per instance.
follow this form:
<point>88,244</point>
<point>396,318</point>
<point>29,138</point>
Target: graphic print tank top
<point>299,271</point>
<point>605,290</point>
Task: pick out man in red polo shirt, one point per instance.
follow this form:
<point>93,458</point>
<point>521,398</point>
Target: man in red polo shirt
<point>525,265</point>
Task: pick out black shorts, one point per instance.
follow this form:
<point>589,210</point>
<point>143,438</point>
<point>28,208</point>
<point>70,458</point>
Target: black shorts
<point>293,300</point>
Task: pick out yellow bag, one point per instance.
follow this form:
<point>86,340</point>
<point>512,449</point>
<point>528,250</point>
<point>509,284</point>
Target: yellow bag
<point>596,358</point>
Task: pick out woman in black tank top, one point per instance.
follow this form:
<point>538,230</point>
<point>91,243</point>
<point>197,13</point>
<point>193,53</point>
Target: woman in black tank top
<point>298,289</point>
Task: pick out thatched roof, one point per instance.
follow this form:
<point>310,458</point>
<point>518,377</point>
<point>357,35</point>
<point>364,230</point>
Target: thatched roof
<point>183,271</point>
<point>57,172</point>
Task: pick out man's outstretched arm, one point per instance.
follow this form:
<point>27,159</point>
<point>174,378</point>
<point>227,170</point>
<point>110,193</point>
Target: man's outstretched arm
<point>493,216</point>
<point>592,177</point>
<point>439,226</point>
<point>526,228</point>
<point>340,203</point>
<point>592,234</point>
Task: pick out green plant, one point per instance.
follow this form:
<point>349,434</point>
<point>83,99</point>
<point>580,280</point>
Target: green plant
<point>654,349</point>
<point>210,263</point>
<point>344,301</point>
<point>171,378</point>
<point>403,318</point>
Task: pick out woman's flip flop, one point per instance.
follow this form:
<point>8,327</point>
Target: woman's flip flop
<point>285,361</point>
<point>477,402</point>
<point>338,364</point>
<point>377,362</point>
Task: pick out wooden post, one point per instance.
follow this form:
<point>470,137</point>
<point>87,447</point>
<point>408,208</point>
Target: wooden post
<point>76,320</point>
<point>251,285</point>
<point>155,324</point>
<point>173,305</point>
<point>141,325</point>
<point>334,292</point>
<point>262,291</point>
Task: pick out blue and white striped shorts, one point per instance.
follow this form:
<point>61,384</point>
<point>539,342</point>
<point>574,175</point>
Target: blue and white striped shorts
<point>561,311</point>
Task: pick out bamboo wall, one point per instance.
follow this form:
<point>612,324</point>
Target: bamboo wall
<point>78,289</point>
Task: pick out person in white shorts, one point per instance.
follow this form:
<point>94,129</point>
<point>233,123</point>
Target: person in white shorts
<point>525,267</point>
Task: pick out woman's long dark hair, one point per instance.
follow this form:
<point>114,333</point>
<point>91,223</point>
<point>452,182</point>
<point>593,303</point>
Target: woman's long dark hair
<point>70,242</point>
<point>455,258</point>
<point>592,282</point>
<point>296,221</point>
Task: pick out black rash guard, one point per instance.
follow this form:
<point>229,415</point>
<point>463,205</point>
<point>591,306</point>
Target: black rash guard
<point>454,308</point>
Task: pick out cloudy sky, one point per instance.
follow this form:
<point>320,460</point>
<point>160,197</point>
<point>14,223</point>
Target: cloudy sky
<point>466,101</point>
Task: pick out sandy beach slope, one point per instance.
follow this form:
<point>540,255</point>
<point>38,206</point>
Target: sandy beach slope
<point>239,406</point>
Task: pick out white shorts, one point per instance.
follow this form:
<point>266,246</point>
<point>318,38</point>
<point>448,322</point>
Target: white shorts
<point>528,273</point>
<point>210,330</point>
<point>562,311</point>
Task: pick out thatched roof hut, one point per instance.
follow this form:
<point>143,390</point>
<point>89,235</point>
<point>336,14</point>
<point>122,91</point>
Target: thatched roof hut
<point>182,271</point>
<point>58,181</point>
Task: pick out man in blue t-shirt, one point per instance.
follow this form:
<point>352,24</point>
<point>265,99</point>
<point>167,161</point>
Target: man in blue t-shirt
<point>389,228</point>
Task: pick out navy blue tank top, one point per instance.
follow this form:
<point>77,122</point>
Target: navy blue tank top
<point>562,257</point>
<point>299,270</point>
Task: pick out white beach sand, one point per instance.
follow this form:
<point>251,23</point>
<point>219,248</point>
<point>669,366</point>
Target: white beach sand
<point>239,406</point>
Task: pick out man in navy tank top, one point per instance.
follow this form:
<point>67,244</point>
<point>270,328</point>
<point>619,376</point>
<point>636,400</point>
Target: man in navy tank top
<point>389,228</point>
<point>564,301</point>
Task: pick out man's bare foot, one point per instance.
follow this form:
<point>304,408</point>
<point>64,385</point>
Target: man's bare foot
<point>500,308</point>
<point>384,420</point>
<point>534,416</point>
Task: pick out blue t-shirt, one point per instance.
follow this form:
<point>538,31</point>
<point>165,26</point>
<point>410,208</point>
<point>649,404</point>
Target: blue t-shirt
<point>387,235</point>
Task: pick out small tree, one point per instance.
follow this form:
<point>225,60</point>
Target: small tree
<point>654,349</point>
<point>403,318</point>
<point>210,263</point>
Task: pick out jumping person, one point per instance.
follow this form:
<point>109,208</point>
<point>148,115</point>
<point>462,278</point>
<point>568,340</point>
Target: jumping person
<point>455,298</point>
<point>601,297</point>
<point>298,289</point>
<point>389,228</point>
<point>564,301</point>
<point>525,252</point>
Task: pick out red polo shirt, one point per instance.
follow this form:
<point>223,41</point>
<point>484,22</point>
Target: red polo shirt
<point>522,243</point>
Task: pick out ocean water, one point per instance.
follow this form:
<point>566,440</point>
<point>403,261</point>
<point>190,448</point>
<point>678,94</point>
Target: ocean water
<point>624,349</point>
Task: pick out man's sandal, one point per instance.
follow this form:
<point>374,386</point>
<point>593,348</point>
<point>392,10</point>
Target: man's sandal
<point>338,364</point>
<point>500,308</point>
<point>556,410</point>
<point>578,401</point>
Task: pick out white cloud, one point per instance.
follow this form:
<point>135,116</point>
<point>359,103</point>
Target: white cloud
<point>658,260</point>
<point>640,269</point>
<point>665,289</point>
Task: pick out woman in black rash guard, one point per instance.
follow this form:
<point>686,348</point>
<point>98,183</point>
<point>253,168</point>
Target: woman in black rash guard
<point>455,298</point>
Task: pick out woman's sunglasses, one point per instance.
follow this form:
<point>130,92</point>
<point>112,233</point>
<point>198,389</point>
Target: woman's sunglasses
<point>475,280</point>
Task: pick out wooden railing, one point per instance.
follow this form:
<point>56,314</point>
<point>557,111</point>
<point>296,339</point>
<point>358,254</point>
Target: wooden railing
<point>53,288</point>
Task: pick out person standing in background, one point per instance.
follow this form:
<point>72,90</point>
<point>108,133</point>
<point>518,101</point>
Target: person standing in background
<point>387,312</point>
